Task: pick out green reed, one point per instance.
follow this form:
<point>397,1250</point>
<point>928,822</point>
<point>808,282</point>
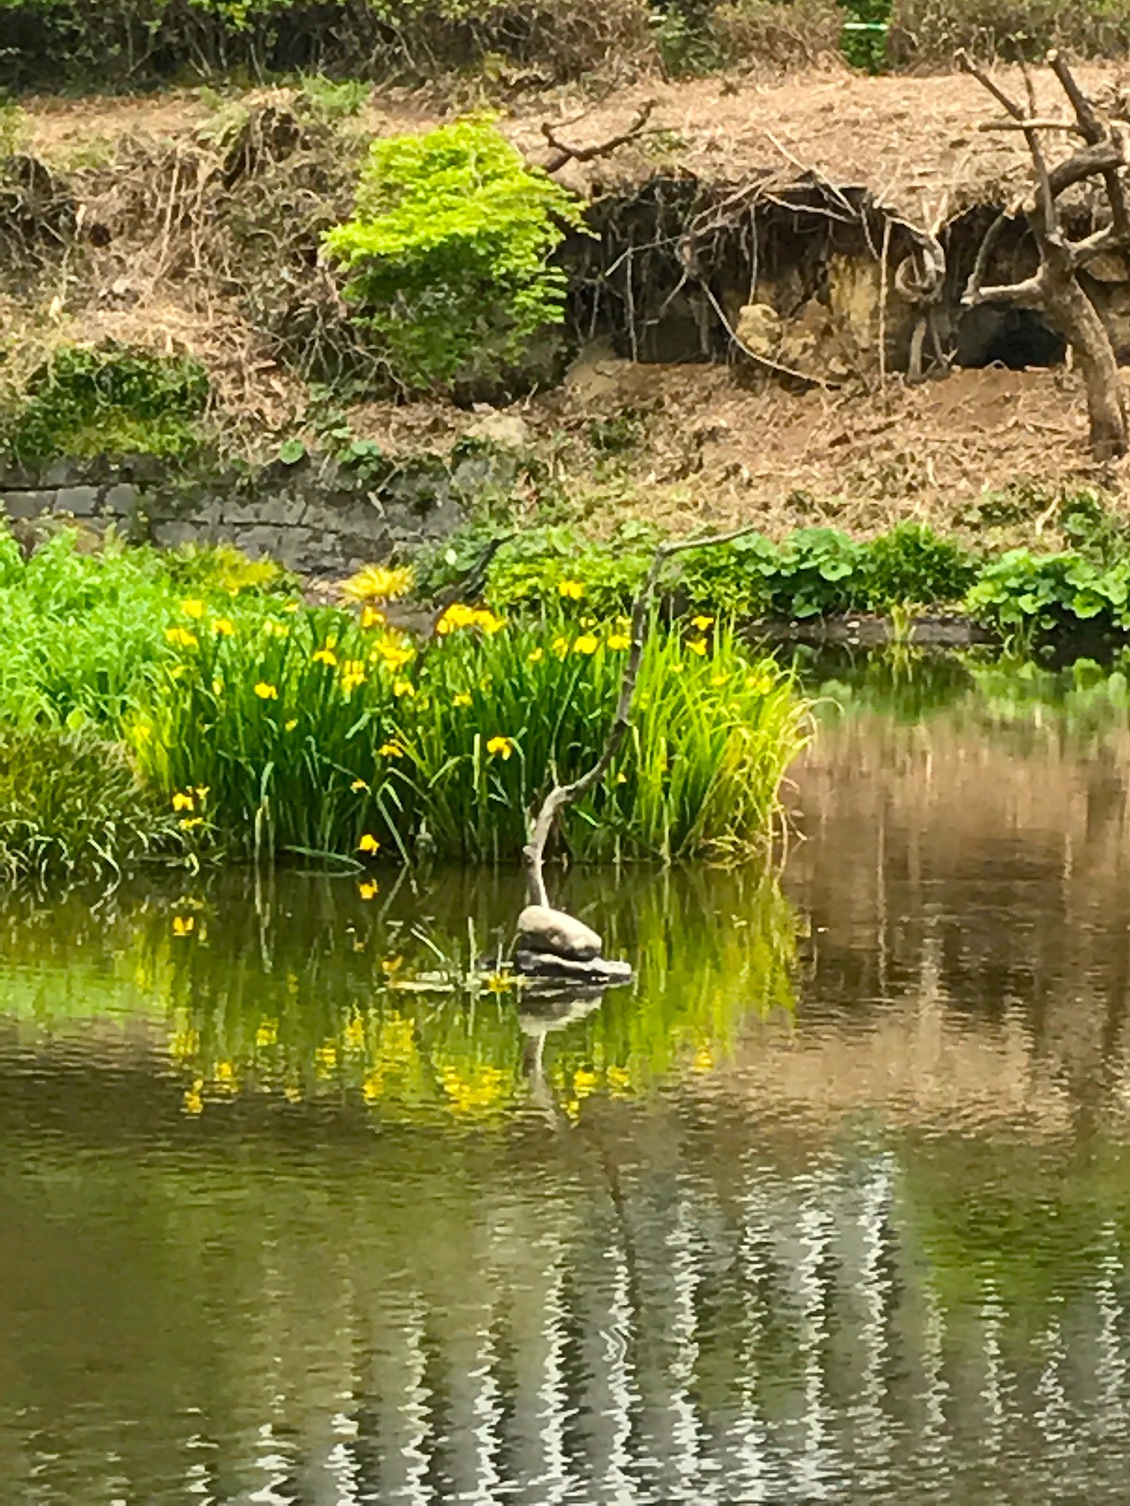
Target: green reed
<point>304,731</point>
<point>267,727</point>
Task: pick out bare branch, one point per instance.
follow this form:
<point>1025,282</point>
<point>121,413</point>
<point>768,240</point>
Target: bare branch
<point>1045,227</point>
<point>967,65</point>
<point>1029,293</point>
<point>1104,156</point>
<point>1029,125</point>
<point>1082,252</point>
<point>972,292</point>
<point>1092,130</point>
<point>564,153</point>
<point>561,795</point>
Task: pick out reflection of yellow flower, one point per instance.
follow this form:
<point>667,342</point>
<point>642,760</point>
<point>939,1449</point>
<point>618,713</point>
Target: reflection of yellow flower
<point>223,626</point>
<point>181,637</point>
<point>702,623</point>
<point>192,608</point>
<point>354,1032</point>
<point>184,925</point>
<point>697,646</point>
<point>585,1081</point>
<point>619,641</point>
<point>266,692</point>
<point>325,1058</point>
<point>573,590</point>
<point>268,1033</point>
<point>586,644</point>
<point>193,1100</point>
<point>368,843</point>
<point>367,890</point>
<point>390,965</point>
<point>500,747</point>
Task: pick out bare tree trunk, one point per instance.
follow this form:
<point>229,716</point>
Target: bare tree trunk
<point>1072,312</point>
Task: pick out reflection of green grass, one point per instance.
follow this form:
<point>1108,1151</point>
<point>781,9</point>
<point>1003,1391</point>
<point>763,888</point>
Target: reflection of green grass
<point>331,1005</point>
<point>1058,1209</point>
<point>1083,701</point>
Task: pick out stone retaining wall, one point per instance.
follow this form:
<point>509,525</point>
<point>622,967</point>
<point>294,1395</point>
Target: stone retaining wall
<point>314,517</point>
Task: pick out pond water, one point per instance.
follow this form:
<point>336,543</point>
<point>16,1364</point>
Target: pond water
<point>832,1204</point>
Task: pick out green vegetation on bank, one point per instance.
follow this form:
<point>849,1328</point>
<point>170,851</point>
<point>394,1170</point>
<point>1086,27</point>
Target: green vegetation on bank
<point>1021,594</point>
<point>134,42</point>
<point>268,727</point>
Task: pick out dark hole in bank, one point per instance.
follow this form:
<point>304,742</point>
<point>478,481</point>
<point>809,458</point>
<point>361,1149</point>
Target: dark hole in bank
<point>1002,335</point>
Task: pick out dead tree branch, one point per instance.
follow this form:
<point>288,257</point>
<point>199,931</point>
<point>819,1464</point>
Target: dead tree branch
<point>1054,289</point>
<point>561,795</point>
<point>563,153</point>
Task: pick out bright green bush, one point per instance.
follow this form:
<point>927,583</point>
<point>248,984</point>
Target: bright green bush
<point>111,400</point>
<point>911,564</point>
<point>448,253</point>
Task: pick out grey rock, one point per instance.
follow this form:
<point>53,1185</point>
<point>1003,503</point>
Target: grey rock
<point>543,929</point>
<point>120,501</point>
<point>28,504</point>
<point>79,501</point>
<point>600,971</point>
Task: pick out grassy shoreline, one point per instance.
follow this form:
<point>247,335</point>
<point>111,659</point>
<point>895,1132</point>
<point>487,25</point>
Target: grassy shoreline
<point>269,728</point>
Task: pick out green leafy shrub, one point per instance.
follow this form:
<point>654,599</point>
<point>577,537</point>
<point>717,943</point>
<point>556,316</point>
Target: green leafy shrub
<point>110,400</point>
<point>135,42</point>
<point>448,253</point>
<point>72,810</point>
<point>913,564</point>
<point>1023,594</point>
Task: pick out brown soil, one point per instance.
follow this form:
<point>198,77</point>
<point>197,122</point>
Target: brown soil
<point>985,452</point>
<point>710,450</point>
<point>917,142</point>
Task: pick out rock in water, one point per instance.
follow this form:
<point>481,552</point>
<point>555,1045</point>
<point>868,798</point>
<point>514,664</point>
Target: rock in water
<point>544,930</point>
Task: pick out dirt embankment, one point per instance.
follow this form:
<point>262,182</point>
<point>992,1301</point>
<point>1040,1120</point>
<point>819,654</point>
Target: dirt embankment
<point>171,247</point>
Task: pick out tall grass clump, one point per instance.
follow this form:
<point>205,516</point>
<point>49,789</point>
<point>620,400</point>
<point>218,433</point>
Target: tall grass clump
<point>314,732</point>
<point>71,809</point>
